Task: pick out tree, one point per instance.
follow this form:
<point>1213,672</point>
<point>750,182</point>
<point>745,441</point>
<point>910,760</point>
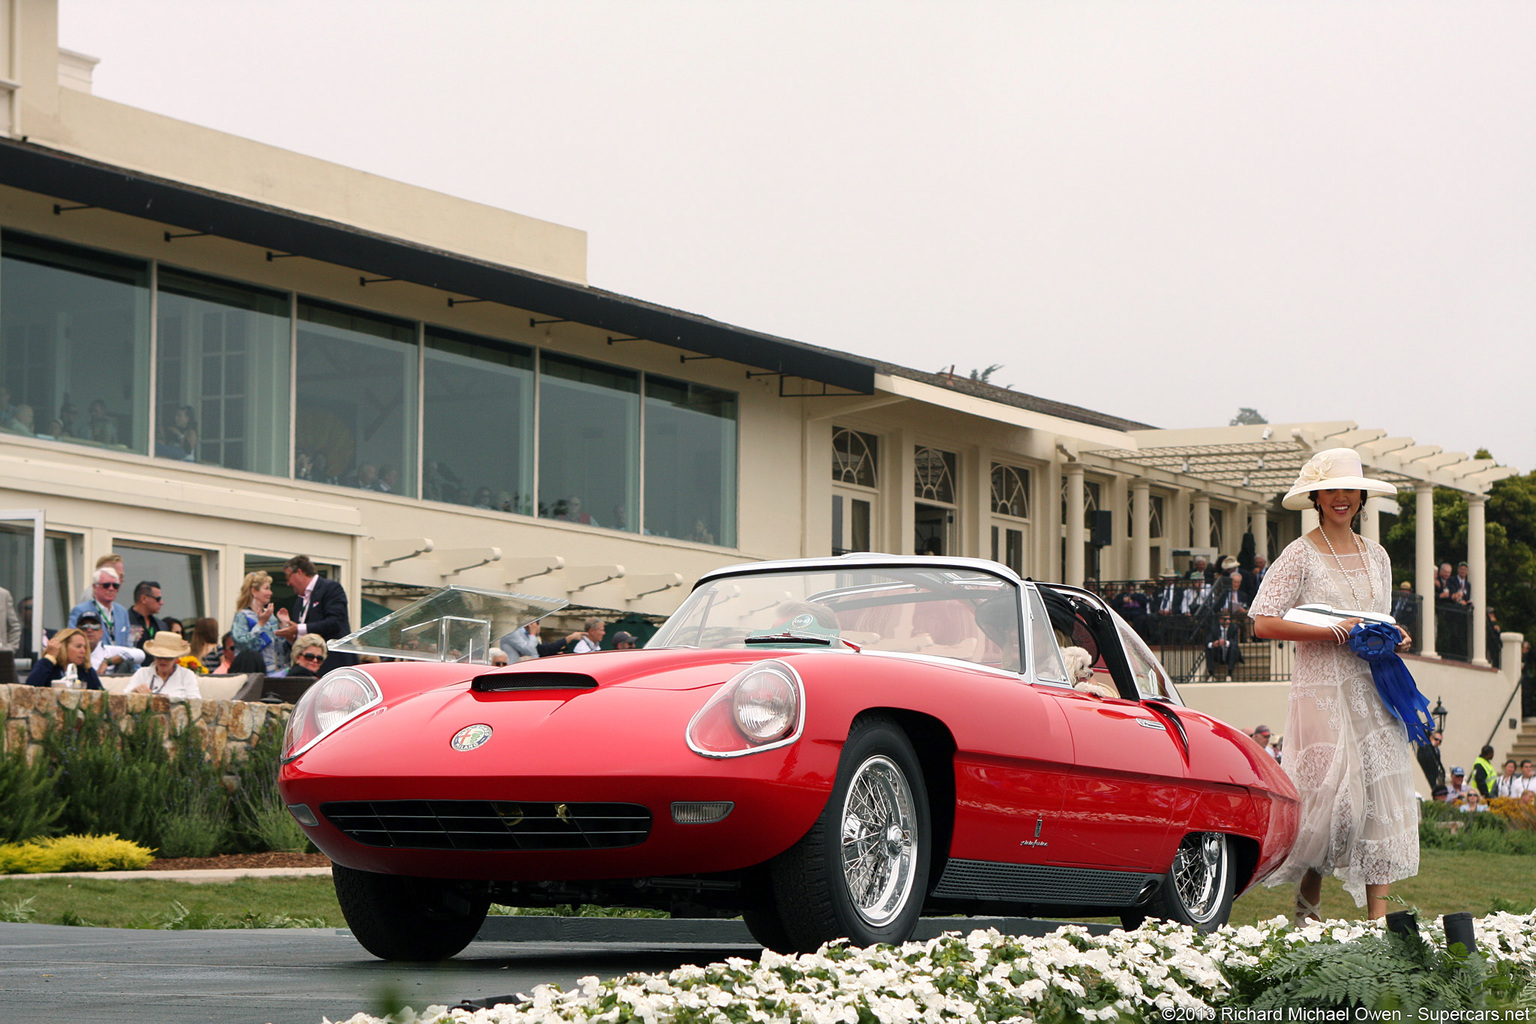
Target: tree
<point>1510,543</point>
<point>985,376</point>
<point>1246,415</point>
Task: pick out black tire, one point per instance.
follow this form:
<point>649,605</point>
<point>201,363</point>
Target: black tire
<point>400,918</point>
<point>1199,887</point>
<point>861,872</point>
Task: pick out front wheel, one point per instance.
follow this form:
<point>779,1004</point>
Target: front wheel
<point>862,870</point>
<point>400,918</point>
<point>1199,887</point>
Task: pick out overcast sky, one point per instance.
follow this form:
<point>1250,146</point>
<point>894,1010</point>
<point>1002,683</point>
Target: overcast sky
<point>1164,211</point>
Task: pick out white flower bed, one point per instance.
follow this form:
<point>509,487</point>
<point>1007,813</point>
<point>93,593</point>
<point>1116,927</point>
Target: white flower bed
<point>985,975</point>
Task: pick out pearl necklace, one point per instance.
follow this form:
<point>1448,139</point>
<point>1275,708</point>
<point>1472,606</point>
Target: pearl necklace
<point>1360,548</point>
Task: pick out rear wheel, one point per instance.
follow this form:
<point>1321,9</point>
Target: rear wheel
<point>862,870</point>
<point>400,918</point>
<point>1199,887</point>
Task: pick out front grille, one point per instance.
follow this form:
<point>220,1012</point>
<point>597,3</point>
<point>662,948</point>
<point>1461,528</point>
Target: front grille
<point>489,824</point>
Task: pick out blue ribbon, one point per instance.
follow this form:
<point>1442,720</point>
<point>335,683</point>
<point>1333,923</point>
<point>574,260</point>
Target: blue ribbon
<point>1377,642</point>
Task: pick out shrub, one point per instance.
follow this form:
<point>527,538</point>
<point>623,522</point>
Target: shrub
<point>28,806</point>
<point>112,781</point>
<point>261,819</point>
<point>193,821</point>
<point>72,853</point>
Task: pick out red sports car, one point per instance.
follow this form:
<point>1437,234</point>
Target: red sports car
<point>827,747</point>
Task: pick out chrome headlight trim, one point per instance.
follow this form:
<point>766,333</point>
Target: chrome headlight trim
<point>727,694</point>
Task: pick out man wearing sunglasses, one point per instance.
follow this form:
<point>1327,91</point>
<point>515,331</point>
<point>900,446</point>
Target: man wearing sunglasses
<point>105,584</point>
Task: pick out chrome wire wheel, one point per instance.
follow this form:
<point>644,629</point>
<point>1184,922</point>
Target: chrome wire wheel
<point>879,854</point>
<point>1200,875</point>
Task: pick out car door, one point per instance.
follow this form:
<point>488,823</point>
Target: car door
<point>1129,782</point>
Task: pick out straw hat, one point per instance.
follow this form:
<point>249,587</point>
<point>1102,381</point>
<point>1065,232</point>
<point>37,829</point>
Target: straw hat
<point>166,644</point>
<point>1334,469</point>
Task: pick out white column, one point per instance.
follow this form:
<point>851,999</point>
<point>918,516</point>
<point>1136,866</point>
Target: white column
<point>1200,521</point>
<point>1141,530</point>
<point>1424,567</point>
<point>1072,571</point>
<point>1258,525</point>
<point>1477,569</point>
<point>1370,522</point>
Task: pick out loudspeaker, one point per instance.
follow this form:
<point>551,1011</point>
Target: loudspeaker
<point>1103,529</point>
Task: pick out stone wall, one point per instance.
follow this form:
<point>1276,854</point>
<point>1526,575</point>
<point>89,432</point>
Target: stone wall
<point>228,727</point>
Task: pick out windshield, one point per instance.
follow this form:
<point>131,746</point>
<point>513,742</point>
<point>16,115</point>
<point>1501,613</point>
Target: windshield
<point>453,624</point>
<point>948,613</point>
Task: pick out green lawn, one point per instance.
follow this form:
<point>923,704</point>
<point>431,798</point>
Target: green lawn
<point>1448,881</point>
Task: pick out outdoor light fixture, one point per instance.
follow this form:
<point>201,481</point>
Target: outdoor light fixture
<point>1439,712</point>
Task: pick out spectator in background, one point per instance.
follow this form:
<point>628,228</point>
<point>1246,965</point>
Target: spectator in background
<point>1461,593</point>
<point>320,609</point>
<point>1506,781</point>
<point>1525,782</point>
<point>1197,570</point>
<point>23,421</point>
<point>173,625</point>
<point>1260,735</point>
<point>105,584</point>
<point>623,641</point>
<point>147,601</point>
<point>205,644</point>
<point>1473,802</point>
<point>1224,652</point>
<point>522,642</point>
<point>111,560</point>
<point>227,652</point>
<point>103,428</point>
<point>1484,779</point>
<point>1457,787</point>
<point>1429,760</point>
<point>1404,607</point>
<point>1252,579</point>
<point>309,657</point>
<point>592,639</point>
<point>167,677</point>
<point>255,627</point>
<point>66,661</point>
<point>106,658</point>
<point>499,658</point>
<point>10,623</point>
<point>178,440</point>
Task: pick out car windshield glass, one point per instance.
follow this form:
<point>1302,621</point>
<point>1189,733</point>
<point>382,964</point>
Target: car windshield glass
<point>945,612</point>
<point>454,624</point>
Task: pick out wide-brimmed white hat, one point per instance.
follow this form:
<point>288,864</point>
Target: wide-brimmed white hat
<point>1333,469</point>
<point>166,644</point>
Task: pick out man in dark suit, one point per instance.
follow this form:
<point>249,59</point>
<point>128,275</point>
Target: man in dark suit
<point>1223,652</point>
<point>320,607</point>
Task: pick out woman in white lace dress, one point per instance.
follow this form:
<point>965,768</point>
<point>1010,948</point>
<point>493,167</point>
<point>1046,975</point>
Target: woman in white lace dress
<point>1347,753</point>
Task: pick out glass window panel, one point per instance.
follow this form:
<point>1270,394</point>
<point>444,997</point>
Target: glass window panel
<point>934,475</point>
<point>179,573</point>
<point>855,457</point>
<point>1010,491</point>
<point>477,446</point>
<point>589,431</point>
<point>74,343</point>
<point>355,421</point>
<point>1045,653</point>
<point>690,462</point>
<point>222,357</point>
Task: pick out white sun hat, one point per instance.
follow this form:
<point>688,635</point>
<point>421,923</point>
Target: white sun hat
<point>1333,469</point>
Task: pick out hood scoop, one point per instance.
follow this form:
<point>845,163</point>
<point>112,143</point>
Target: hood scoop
<point>499,682</point>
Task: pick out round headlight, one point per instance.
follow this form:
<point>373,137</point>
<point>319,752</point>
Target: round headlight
<point>764,705</point>
<point>334,700</point>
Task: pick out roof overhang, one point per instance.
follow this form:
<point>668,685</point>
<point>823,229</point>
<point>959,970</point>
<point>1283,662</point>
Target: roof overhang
<point>79,180</point>
<point>1266,458</point>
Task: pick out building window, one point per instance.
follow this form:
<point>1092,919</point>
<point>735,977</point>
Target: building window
<point>1010,491</point>
<point>933,484</point>
<point>477,422</point>
<point>221,386</point>
<point>1155,523</point>
<point>933,475</point>
<point>690,462</point>
<point>74,343</point>
<point>1218,528</point>
<point>855,457</point>
<point>180,572</point>
<point>1010,503</point>
<point>589,442</point>
<point>355,392</point>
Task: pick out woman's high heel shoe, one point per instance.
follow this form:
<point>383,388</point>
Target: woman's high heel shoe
<point>1305,911</point>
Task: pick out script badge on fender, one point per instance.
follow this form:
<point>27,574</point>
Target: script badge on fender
<point>471,736</point>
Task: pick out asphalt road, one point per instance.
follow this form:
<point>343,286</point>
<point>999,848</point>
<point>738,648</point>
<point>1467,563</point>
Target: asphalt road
<point>283,976</point>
